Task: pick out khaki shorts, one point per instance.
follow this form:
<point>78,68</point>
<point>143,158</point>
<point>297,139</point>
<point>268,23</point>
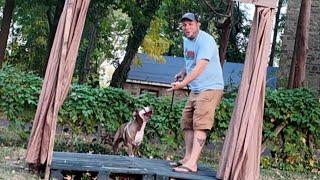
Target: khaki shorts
<point>198,114</point>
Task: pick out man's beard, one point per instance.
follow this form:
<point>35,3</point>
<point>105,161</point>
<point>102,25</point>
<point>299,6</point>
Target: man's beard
<point>194,35</point>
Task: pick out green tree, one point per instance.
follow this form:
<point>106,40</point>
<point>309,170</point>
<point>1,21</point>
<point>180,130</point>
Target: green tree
<point>104,38</point>
<point>30,33</point>
<point>155,44</point>
<point>239,36</point>
<point>54,10</point>
<point>214,20</point>
<point>94,26</point>
<point>34,25</point>
<point>225,26</point>
<point>141,14</point>
<point>277,28</point>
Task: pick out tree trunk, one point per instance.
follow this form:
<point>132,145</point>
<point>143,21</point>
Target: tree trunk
<point>226,30</point>
<point>275,33</point>
<point>86,65</point>
<point>310,140</point>
<point>5,27</point>
<point>121,73</point>
<point>277,130</point>
<point>139,31</point>
<point>298,65</point>
<point>53,24</point>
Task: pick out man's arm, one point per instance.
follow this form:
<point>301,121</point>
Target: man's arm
<point>198,69</point>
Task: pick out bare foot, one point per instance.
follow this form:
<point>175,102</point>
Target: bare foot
<point>184,160</point>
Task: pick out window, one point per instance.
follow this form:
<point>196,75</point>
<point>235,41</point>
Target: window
<point>149,91</point>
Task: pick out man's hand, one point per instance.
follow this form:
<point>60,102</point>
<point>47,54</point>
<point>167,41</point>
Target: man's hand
<point>176,85</point>
<point>178,78</point>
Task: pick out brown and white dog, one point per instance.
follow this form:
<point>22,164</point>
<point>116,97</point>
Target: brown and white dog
<point>131,133</point>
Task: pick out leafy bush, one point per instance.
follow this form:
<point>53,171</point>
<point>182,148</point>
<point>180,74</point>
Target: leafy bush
<point>297,112</point>
<point>222,117</point>
<point>164,126</point>
<point>87,107</point>
<point>291,118</point>
<point>19,92</point>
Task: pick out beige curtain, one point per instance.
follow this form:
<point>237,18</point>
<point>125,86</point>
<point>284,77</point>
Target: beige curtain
<point>57,80</point>
<point>240,157</point>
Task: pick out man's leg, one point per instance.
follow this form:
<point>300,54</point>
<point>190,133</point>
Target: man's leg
<point>188,140</point>
<point>187,126</point>
<point>199,140</point>
<point>204,107</point>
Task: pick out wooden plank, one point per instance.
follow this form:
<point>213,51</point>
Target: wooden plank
<point>103,175</point>
<point>159,177</point>
<point>56,174</point>
<point>148,177</point>
<point>148,168</point>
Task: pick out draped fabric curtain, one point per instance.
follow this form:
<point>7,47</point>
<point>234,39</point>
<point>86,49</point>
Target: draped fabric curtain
<point>57,80</point>
<point>240,159</point>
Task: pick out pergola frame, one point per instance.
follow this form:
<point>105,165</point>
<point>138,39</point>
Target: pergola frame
<point>246,124</point>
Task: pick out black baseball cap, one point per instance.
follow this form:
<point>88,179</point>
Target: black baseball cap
<point>189,16</point>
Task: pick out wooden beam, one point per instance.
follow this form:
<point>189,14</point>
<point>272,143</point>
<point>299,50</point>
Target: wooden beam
<point>266,3</point>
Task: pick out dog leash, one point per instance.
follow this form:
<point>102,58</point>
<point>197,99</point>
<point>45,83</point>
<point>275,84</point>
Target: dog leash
<point>172,99</point>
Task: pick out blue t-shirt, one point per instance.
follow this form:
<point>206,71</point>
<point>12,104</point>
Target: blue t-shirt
<point>203,47</point>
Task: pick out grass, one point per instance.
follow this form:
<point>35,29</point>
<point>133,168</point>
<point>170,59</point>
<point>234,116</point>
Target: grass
<point>12,164</point>
<point>271,174</point>
<point>211,158</point>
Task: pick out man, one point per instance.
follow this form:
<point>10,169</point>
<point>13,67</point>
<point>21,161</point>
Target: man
<point>203,75</point>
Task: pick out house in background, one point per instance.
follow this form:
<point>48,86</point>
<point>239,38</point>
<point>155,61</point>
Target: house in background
<point>155,78</point>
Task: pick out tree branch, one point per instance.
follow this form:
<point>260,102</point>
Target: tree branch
<point>276,131</point>
<point>214,11</point>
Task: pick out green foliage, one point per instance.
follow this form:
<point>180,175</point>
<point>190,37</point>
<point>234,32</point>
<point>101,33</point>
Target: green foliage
<point>112,37</point>
<point>100,39</point>
<point>171,11</point>
<point>155,44</point>
<point>28,47</point>
<point>165,122</point>
<point>294,148</point>
<point>19,92</point>
<point>299,109</point>
<point>238,41</point>
<point>87,107</point>
<point>222,118</point>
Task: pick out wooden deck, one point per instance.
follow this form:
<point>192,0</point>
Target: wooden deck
<point>108,165</point>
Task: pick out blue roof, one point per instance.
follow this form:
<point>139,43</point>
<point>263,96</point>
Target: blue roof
<point>164,73</point>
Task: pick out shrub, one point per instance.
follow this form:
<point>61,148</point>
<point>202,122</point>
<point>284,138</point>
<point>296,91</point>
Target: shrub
<point>291,118</point>
<point>291,128</point>
<point>87,107</point>
<point>19,92</point>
